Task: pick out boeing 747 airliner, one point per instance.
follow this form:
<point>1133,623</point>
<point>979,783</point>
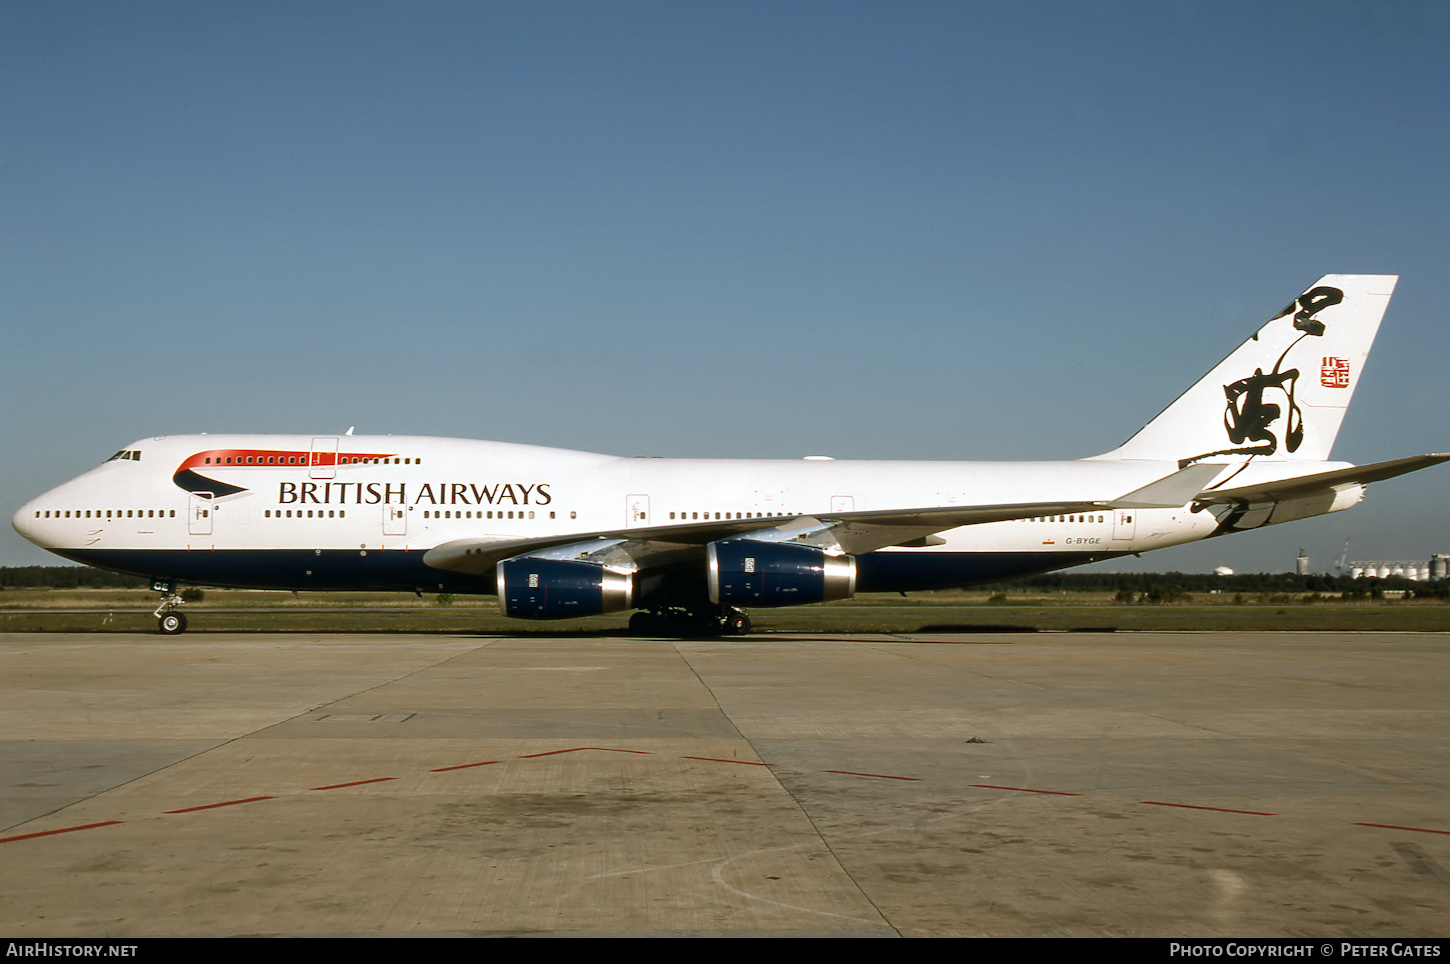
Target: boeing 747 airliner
<point>693,544</point>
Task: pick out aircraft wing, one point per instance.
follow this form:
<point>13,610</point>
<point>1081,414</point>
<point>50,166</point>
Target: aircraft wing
<point>858,532</point>
<point>1303,485</point>
<point>852,532</point>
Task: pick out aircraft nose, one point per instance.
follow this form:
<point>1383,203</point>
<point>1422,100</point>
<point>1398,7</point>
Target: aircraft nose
<point>26,522</point>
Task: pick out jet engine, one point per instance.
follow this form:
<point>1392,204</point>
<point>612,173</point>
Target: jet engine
<point>750,572</point>
<point>535,588</point>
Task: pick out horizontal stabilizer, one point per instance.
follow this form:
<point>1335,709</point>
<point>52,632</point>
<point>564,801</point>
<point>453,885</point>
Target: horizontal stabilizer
<point>1298,486</point>
<point>1170,492</point>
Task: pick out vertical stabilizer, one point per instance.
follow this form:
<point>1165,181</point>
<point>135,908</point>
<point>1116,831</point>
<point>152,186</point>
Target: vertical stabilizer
<point>1283,393</point>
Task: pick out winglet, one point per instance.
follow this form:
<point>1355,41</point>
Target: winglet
<point>1172,491</point>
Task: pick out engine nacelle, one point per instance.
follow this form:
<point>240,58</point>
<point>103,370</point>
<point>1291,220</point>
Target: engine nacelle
<point>533,588</point>
<point>748,572</point>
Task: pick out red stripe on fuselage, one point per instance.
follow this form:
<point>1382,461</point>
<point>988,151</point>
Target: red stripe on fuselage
<point>258,458</point>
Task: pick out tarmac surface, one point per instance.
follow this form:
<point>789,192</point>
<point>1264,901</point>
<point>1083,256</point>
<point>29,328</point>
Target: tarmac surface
<point>1171,785</point>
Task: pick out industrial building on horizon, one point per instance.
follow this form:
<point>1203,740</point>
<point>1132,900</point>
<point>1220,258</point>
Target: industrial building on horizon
<point>1437,568</point>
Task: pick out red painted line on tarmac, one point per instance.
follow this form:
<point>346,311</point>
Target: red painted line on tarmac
<point>356,783</point>
<point>715,759</point>
<point>47,833</point>
<point>993,786</point>
<point>213,806</point>
<point>465,766</point>
<point>883,776</point>
<point>1189,806</point>
<point>576,749</point>
<point>1384,826</point>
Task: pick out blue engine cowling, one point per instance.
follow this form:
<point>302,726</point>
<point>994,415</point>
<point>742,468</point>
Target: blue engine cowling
<point>530,588</point>
<point>747,572</point>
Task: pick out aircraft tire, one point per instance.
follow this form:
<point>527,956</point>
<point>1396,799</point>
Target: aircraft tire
<point>644,624</point>
<point>737,624</point>
<point>172,624</point>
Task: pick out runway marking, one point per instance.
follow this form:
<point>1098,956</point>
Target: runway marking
<point>1190,806</point>
<point>717,866</point>
<point>716,759</point>
<point>465,766</point>
<point>213,806</point>
<point>1057,793</point>
<point>47,833</point>
<point>717,874</point>
<point>355,783</point>
<point>576,749</point>
<point>707,759</point>
<point>1390,826</point>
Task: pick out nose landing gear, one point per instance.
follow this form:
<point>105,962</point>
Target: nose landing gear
<point>169,623</point>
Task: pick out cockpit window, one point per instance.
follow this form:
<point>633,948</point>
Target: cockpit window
<point>133,455</point>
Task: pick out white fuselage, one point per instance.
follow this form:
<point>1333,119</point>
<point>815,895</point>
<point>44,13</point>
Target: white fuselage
<point>165,502</point>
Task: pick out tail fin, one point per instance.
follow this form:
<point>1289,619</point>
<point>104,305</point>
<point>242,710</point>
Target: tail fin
<point>1283,393</point>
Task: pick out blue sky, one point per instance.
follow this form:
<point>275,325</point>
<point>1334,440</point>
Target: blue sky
<point>870,230</point>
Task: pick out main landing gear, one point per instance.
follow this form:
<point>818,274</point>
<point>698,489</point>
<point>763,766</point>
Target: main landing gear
<point>169,623</point>
<point>677,621</point>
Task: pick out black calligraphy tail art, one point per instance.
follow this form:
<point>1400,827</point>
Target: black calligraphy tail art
<point>1263,400</point>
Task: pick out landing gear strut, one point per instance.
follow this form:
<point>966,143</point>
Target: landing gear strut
<point>678,621</point>
<point>169,623</point>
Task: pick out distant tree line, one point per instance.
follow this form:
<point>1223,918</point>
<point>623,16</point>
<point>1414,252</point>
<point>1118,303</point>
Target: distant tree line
<point>66,577</point>
<point>1202,582</point>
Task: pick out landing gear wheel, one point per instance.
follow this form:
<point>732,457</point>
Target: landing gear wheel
<point>172,624</point>
<point>644,624</point>
<point>737,624</point>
